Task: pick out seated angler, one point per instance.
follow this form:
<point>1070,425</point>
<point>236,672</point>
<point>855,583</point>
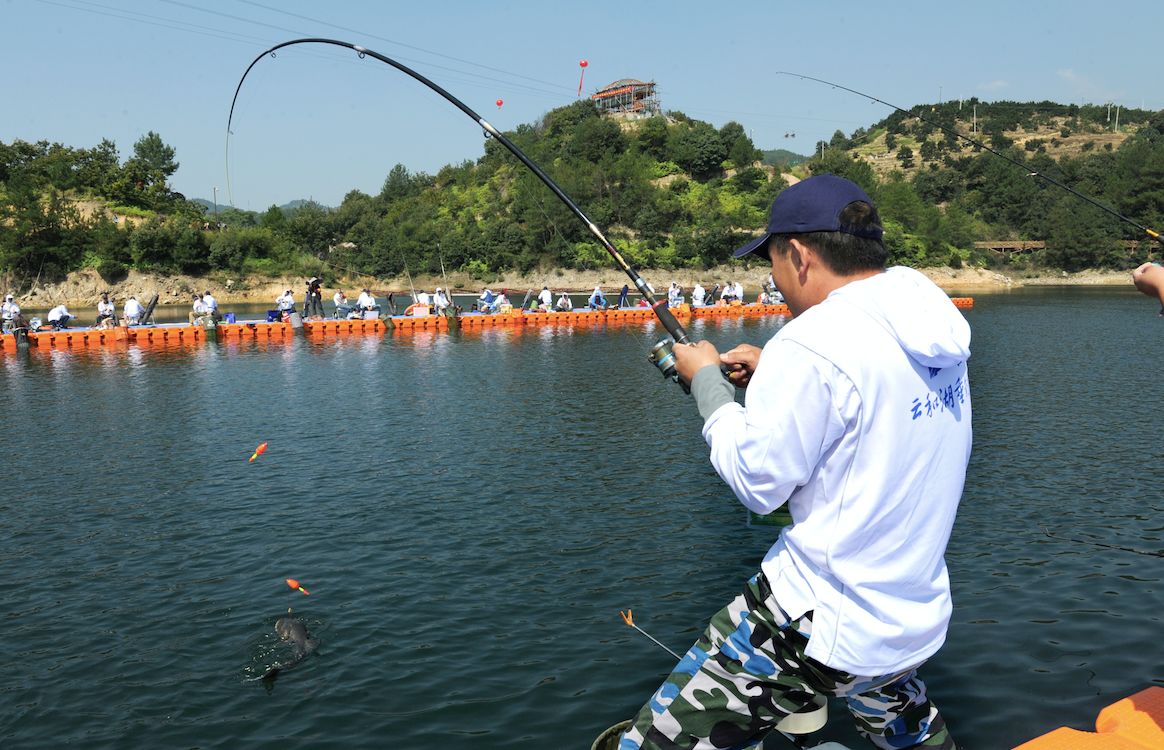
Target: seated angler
<point>105,312</point>
<point>285,304</point>
<point>59,317</point>
<point>366,302</point>
<point>133,311</point>
<point>199,313</point>
<point>342,306</point>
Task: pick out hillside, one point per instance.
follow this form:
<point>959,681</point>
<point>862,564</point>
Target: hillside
<point>672,192</point>
<point>1056,137</point>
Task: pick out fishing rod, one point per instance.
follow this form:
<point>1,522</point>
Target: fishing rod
<point>661,355</point>
<point>448,289</point>
<point>1093,543</point>
<point>979,144</point>
<point>407,275</point>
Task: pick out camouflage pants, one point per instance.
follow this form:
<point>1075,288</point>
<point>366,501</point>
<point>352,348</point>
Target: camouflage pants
<point>748,671</point>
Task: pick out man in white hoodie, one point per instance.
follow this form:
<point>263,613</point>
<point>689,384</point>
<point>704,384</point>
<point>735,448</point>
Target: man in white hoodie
<point>857,415</point>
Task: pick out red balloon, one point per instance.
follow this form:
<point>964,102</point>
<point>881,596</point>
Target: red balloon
<point>500,102</point>
<point>582,63</point>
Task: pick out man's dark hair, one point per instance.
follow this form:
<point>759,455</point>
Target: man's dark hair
<point>843,252</point>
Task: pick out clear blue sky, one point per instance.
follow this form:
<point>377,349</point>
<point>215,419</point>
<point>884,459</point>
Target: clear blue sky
<point>317,122</point>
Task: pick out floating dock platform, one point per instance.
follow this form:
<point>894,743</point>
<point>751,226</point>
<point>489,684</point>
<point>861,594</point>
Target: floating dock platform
<point>177,333</point>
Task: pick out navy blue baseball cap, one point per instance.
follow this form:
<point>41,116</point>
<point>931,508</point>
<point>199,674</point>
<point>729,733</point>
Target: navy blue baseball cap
<point>813,205</point>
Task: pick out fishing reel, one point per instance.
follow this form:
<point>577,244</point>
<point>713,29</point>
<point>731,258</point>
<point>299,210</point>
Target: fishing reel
<point>663,357</point>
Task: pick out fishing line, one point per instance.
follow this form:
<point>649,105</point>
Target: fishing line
<point>658,307</point>
<point>950,131</point>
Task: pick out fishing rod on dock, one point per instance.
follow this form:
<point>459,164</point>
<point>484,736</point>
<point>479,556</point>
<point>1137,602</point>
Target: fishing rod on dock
<point>979,144</point>
<point>661,355</point>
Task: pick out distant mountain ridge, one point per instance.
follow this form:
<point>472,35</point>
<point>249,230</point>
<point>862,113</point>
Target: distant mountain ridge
<point>285,208</point>
<point>782,157</point>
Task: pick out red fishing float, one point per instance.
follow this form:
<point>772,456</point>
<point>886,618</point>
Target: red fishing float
<point>500,102</point>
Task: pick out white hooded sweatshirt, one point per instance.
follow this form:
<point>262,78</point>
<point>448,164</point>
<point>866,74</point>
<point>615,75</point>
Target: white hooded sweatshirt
<point>858,416</point>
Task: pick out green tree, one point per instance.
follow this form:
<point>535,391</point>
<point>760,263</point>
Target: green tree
<point>232,248</point>
<point>651,138</point>
<point>143,178</point>
<point>699,150</point>
<point>905,156</point>
<point>738,146</point>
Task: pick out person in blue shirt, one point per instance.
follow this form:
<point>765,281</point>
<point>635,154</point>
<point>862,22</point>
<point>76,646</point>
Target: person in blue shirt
<point>597,301</point>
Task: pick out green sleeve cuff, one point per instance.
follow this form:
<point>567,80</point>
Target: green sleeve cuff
<point>711,390</point>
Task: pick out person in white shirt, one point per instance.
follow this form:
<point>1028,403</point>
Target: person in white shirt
<point>729,292</point>
<point>198,312</point>
<point>59,317</point>
<point>211,306</point>
<point>8,311</point>
<point>440,300</point>
<point>343,308</point>
<point>697,294</point>
<point>366,302</point>
<point>132,310</point>
<point>285,302</point>
<point>565,304</point>
<point>857,417</point>
<point>738,291</point>
<point>545,299</point>
<point>674,295</point>
<point>105,311</point>
<point>422,298</point>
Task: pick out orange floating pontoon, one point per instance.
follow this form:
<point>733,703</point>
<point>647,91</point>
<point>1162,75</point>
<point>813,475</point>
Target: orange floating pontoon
<point>1135,723</point>
<point>262,330</point>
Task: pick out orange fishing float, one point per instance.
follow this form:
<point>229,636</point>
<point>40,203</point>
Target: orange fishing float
<point>295,584</point>
<point>258,451</point>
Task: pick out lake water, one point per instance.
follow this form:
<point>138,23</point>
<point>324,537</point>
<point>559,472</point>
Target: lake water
<point>470,511</point>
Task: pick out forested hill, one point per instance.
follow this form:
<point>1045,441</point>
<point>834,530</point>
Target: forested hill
<point>669,191</point>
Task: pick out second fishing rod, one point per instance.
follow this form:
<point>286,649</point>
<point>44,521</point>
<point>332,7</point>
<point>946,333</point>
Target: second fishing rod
<point>661,354</point>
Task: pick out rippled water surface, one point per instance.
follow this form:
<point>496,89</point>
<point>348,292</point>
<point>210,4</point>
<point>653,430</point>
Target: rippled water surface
<point>471,511</point>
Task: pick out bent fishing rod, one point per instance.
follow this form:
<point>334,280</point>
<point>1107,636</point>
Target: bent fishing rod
<point>950,131</point>
<point>662,312</point>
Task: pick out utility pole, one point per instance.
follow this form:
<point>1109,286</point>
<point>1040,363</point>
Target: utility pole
<point>215,189</point>
<point>974,127</point>
<point>1117,122</point>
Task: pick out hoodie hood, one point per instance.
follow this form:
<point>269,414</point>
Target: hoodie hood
<point>916,312</point>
